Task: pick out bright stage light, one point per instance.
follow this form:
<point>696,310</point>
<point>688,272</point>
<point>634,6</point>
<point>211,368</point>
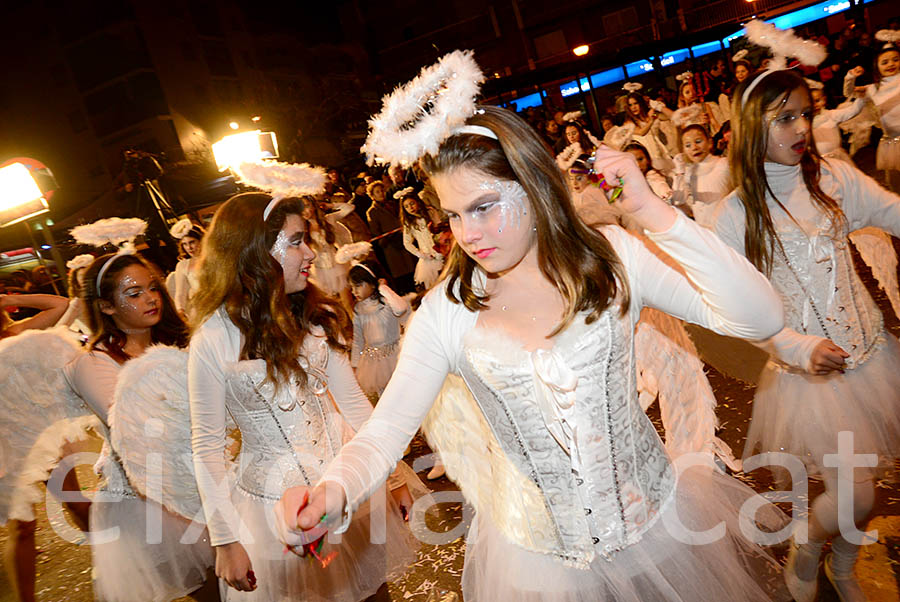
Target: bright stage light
<point>234,125</point>
<point>20,197</point>
<point>581,50</point>
<point>244,147</point>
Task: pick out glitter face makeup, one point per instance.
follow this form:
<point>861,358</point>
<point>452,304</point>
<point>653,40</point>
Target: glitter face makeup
<point>512,204</point>
<point>490,218</point>
<point>789,123</point>
<point>136,300</point>
<point>292,252</point>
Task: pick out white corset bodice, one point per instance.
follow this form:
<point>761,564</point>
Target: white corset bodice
<point>822,293</point>
<point>288,436</point>
<point>568,419</point>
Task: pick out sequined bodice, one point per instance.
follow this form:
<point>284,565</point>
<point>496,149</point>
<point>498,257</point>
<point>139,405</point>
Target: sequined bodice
<point>289,434</point>
<point>822,293</point>
<point>569,420</point>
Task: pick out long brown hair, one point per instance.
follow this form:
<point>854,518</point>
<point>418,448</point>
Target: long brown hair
<point>238,273</point>
<point>747,156</point>
<point>170,330</point>
<point>579,261</point>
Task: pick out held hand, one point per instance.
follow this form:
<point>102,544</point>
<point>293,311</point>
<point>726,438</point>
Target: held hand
<point>233,566</point>
<point>827,357</point>
<point>299,513</point>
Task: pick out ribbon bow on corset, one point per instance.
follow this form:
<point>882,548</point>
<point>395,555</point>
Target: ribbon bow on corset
<point>822,248</point>
<point>554,388</point>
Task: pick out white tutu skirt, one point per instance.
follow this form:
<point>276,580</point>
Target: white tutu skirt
<point>375,369</point>
<point>657,568</point>
<point>888,154</point>
<point>358,570</point>
<point>802,414</point>
<point>134,567</point>
<point>330,280</point>
<point>427,271</point>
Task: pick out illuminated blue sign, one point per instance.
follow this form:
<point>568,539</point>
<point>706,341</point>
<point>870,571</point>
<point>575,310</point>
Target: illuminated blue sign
<point>802,16</point>
<point>707,48</point>
<point>638,68</point>
<point>572,88</point>
<point>610,76</point>
<point>675,57</point>
<point>525,102</point>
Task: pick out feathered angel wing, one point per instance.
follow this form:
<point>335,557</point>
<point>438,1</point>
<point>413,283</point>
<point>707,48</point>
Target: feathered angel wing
<point>39,413</point>
<point>150,430</point>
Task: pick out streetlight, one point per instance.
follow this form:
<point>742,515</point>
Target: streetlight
<point>244,147</point>
<point>233,125</point>
<point>581,50</point>
<point>20,196</point>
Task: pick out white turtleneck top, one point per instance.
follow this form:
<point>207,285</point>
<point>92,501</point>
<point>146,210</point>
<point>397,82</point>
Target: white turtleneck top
<point>815,274</point>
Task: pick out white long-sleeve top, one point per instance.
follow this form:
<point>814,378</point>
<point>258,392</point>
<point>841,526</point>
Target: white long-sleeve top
<point>216,345</point>
<point>376,323</point>
<point>93,376</point>
<point>885,96</point>
<point>417,239</point>
<point>822,263</point>
<point>701,185</point>
<point>725,293</point>
<point>825,125</point>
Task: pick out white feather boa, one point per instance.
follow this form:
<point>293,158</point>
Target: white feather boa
<point>418,116</point>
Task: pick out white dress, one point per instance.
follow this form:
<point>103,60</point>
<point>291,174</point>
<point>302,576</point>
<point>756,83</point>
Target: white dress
<point>572,489</point>
<point>418,240</point>
<point>885,97</point>
<point>700,185</point>
<point>184,284</point>
<point>126,565</point>
<point>326,272</point>
<point>826,130</point>
<point>376,339</point>
<point>289,436</point>
<point>823,297</point>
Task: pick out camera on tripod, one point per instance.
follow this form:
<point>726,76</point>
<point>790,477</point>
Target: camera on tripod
<point>141,166</point>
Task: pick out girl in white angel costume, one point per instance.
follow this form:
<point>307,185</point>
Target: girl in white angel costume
<point>270,351</point>
<point>136,546</point>
<point>184,278</point>
<point>573,492</point>
<point>834,367</point>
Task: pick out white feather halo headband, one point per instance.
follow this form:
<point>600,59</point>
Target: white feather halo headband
<point>684,77</point>
<point>783,44</point>
<point>813,84</point>
<point>889,36</point>
<point>688,115</point>
<point>572,116</point>
<point>418,116</point>
<point>409,190</point>
<point>740,55</point>
<point>632,87</point>
<point>181,228</point>
<point>354,253</point>
<point>113,230</point>
<point>80,261</point>
<point>281,180</point>
<point>568,156</point>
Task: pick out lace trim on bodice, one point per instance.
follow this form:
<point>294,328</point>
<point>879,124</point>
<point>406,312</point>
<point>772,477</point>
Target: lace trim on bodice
<point>822,293</point>
<point>289,434</point>
<point>569,420</point>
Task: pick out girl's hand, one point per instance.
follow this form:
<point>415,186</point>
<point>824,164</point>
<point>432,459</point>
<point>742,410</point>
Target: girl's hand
<point>302,509</point>
<point>827,357</point>
<point>404,500</point>
<point>637,199</point>
<point>233,566</point>
<point>856,71</point>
